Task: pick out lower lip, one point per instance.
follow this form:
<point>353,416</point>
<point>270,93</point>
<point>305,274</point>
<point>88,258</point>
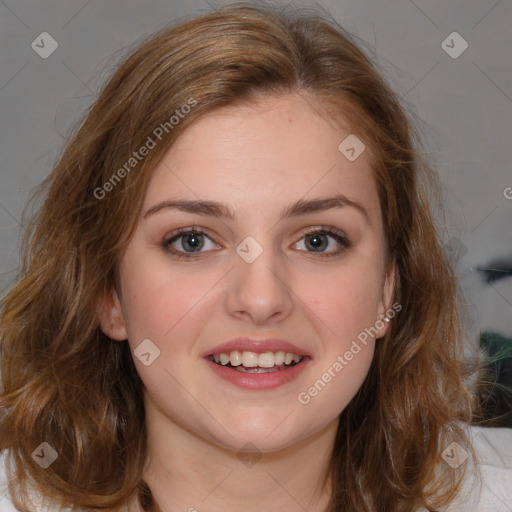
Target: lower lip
<point>259,381</point>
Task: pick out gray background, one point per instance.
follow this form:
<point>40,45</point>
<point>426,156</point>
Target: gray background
<point>465,104</point>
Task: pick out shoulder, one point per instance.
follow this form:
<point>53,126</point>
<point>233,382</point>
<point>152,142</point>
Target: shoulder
<point>488,482</point>
<point>493,446</point>
<point>6,504</point>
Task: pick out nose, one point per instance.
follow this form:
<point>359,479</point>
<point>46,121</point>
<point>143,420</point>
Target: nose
<point>259,292</point>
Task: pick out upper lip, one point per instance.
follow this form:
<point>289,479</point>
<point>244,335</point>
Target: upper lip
<point>256,345</point>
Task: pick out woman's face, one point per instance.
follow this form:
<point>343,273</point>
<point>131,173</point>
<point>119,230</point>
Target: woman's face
<point>261,275</point>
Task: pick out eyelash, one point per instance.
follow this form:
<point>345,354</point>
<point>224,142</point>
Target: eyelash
<point>324,230</point>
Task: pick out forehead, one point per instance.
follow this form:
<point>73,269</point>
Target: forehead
<point>269,152</point>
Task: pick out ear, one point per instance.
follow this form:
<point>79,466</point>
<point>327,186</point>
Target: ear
<point>111,316</point>
<point>386,301</point>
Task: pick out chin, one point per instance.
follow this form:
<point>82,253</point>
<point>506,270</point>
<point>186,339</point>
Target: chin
<point>262,433</point>
<point>256,443</point>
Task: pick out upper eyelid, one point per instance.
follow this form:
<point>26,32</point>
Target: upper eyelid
<point>206,231</point>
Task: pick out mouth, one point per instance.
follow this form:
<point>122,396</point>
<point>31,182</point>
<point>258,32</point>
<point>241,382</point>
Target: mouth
<point>254,362</point>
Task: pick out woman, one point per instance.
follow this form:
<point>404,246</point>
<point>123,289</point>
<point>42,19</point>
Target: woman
<point>233,295</point>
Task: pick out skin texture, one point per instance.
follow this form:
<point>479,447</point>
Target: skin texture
<point>257,159</point>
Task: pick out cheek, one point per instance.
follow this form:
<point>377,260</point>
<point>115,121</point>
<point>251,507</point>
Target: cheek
<point>158,302</point>
<point>344,311</point>
<point>167,309</point>
<point>346,302</point>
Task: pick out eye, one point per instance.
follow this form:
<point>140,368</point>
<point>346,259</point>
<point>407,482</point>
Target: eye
<point>318,240</point>
<point>189,242</point>
<point>192,241</point>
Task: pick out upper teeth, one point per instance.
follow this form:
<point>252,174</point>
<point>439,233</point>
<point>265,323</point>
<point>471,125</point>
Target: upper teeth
<point>253,359</point>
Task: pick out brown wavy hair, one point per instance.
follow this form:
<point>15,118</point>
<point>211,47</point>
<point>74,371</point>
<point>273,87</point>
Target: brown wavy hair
<point>66,383</point>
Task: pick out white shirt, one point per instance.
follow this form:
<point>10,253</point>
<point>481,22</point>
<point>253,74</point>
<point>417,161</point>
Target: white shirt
<point>488,487</point>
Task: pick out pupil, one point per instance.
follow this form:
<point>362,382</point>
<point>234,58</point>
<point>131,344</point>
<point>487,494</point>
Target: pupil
<point>318,243</point>
<point>195,244</point>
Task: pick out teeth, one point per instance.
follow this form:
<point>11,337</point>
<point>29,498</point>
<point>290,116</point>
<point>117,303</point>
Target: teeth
<point>257,370</point>
<point>255,360</point>
<point>266,360</point>
<point>279,357</point>
<point>235,358</point>
<point>249,359</point>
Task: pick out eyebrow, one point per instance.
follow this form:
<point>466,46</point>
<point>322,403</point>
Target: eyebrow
<point>220,210</point>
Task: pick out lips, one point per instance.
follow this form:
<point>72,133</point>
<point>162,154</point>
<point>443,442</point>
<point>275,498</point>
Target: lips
<point>252,363</point>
